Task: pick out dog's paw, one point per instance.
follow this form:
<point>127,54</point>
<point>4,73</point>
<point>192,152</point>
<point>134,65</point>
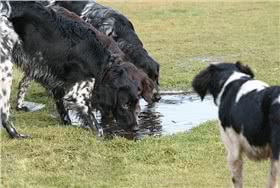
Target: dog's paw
<point>23,108</point>
<point>23,136</point>
<point>100,132</point>
<point>20,136</point>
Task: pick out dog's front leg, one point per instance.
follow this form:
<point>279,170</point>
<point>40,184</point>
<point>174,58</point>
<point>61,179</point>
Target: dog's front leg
<point>89,120</point>
<point>274,173</point>
<point>106,119</point>
<point>85,114</point>
<point>99,129</point>
<point>63,113</point>
<point>230,139</point>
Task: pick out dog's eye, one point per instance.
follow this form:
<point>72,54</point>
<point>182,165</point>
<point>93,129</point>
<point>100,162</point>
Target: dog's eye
<point>125,106</point>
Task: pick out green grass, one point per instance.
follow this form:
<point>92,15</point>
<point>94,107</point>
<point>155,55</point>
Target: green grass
<point>178,34</point>
<point>71,157</point>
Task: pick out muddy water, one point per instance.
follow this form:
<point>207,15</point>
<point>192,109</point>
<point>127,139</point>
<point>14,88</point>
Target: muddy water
<point>172,114</point>
<point>175,112</point>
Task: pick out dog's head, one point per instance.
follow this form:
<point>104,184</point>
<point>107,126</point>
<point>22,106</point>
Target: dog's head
<point>117,94</point>
<point>136,54</point>
<point>145,84</point>
<point>214,77</point>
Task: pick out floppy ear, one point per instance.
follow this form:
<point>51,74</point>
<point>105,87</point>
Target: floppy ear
<point>202,80</point>
<point>244,68</point>
<point>148,87</point>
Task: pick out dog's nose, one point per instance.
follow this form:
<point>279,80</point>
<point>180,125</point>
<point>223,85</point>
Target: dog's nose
<point>156,97</point>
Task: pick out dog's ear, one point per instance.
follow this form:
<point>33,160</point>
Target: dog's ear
<point>148,87</point>
<point>202,80</point>
<point>244,68</point>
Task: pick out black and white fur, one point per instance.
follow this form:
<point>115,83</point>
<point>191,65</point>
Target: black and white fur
<point>7,40</point>
<point>249,113</point>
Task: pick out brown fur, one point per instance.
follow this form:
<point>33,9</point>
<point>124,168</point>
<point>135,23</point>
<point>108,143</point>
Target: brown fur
<point>145,84</point>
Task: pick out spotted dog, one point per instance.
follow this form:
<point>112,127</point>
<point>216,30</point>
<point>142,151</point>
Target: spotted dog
<point>7,40</point>
<point>249,113</point>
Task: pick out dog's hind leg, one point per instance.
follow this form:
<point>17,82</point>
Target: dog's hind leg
<point>5,91</point>
<point>274,173</point>
<point>275,145</point>
<point>23,87</point>
<point>230,139</point>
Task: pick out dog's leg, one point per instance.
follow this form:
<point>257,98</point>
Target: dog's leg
<point>5,91</point>
<point>235,162</point>
<point>275,146</point>
<point>274,173</point>
<point>23,87</point>
<point>85,113</point>
<point>99,129</point>
<point>79,98</point>
<point>107,119</point>
<point>63,113</point>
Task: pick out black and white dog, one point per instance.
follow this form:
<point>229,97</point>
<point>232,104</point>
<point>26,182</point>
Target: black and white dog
<point>249,113</point>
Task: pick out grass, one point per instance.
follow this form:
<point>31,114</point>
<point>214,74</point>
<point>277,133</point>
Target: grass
<point>179,34</point>
<point>71,157</point>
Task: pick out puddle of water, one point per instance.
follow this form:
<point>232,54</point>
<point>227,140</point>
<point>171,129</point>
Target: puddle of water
<point>216,59</point>
<point>175,112</point>
<point>32,106</point>
<point>172,114</point>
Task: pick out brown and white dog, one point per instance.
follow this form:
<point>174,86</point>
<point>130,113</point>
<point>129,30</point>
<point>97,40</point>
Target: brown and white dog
<point>249,113</point>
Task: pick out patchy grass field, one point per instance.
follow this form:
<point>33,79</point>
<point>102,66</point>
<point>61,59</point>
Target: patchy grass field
<point>183,36</point>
